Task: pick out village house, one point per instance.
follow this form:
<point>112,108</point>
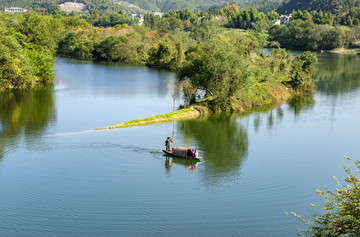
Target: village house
<point>283,20</point>
<point>15,10</point>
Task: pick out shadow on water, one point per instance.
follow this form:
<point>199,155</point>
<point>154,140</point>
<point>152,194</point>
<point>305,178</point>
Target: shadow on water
<point>24,114</point>
<point>222,142</point>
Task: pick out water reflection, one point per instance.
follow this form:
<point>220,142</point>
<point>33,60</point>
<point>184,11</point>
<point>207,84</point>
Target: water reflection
<point>300,104</point>
<point>24,113</point>
<point>338,73</point>
<point>111,79</point>
<point>189,165</point>
<point>222,141</point>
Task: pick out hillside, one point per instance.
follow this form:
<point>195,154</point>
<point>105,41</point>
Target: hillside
<point>337,7</point>
<point>168,5</point>
<point>149,5</point>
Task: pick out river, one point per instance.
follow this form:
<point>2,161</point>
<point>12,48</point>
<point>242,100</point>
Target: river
<point>59,177</point>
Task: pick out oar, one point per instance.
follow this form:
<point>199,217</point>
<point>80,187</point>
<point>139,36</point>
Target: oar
<point>162,147</point>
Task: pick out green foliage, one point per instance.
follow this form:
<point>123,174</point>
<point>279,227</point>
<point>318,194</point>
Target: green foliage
<point>15,70</point>
<point>111,48</point>
<point>336,7</point>
<point>305,34</point>
<point>317,17</point>
<point>341,208</point>
<point>303,67</point>
<point>245,43</point>
<point>53,9</point>
<point>167,55</point>
<point>352,18</point>
<point>151,20</point>
<point>252,19</point>
<point>42,66</point>
<point>275,66</point>
<point>27,45</point>
<point>76,45</point>
<point>293,35</point>
<point>229,9</point>
<point>38,33</point>
<point>170,24</point>
<point>215,67</point>
<point>265,6</point>
<point>101,19</point>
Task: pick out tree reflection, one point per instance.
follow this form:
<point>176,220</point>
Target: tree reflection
<point>223,143</point>
<point>338,73</point>
<point>24,113</point>
<point>301,103</point>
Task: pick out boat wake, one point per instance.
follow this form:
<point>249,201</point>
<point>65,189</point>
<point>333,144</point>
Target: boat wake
<point>70,133</point>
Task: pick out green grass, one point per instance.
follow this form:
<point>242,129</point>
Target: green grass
<point>171,116</point>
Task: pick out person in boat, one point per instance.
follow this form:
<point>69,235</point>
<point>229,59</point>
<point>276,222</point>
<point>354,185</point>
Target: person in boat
<point>168,142</point>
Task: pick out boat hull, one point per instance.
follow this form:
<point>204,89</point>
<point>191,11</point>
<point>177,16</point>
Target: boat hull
<point>186,157</point>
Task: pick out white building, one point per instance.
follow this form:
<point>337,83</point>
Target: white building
<point>139,16</point>
<point>283,20</point>
<point>160,14</point>
<point>15,10</point>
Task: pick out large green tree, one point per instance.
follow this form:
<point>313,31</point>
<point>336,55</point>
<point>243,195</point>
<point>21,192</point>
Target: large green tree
<point>215,67</point>
<point>27,43</point>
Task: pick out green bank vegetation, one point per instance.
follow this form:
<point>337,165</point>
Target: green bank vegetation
<point>340,214</point>
<point>171,116</point>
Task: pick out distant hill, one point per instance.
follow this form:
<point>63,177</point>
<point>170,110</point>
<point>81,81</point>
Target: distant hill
<point>168,5</point>
<point>33,4</point>
<point>337,7</point>
<point>150,5</point>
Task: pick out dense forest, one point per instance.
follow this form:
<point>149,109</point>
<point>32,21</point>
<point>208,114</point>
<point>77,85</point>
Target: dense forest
<point>337,7</point>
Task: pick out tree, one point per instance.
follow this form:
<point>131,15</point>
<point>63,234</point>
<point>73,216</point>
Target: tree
<point>303,67</point>
<point>215,67</point>
<point>167,55</point>
<point>229,9</point>
<point>111,48</point>
<point>170,24</point>
<point>342,216</point>
<point>15,70</point>
<point>53,9</point>
<point>150,20</point>
<point>27,45</point>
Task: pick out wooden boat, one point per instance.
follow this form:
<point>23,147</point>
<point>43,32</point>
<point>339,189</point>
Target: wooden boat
<point>186,153</point>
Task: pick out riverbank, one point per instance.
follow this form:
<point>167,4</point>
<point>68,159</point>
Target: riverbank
<point>345,51</point>
<point>257,97</point>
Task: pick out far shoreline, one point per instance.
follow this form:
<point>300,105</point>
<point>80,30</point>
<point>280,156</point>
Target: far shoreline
<point>345,51</point>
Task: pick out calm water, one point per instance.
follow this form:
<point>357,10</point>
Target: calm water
<point>58,177</point>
